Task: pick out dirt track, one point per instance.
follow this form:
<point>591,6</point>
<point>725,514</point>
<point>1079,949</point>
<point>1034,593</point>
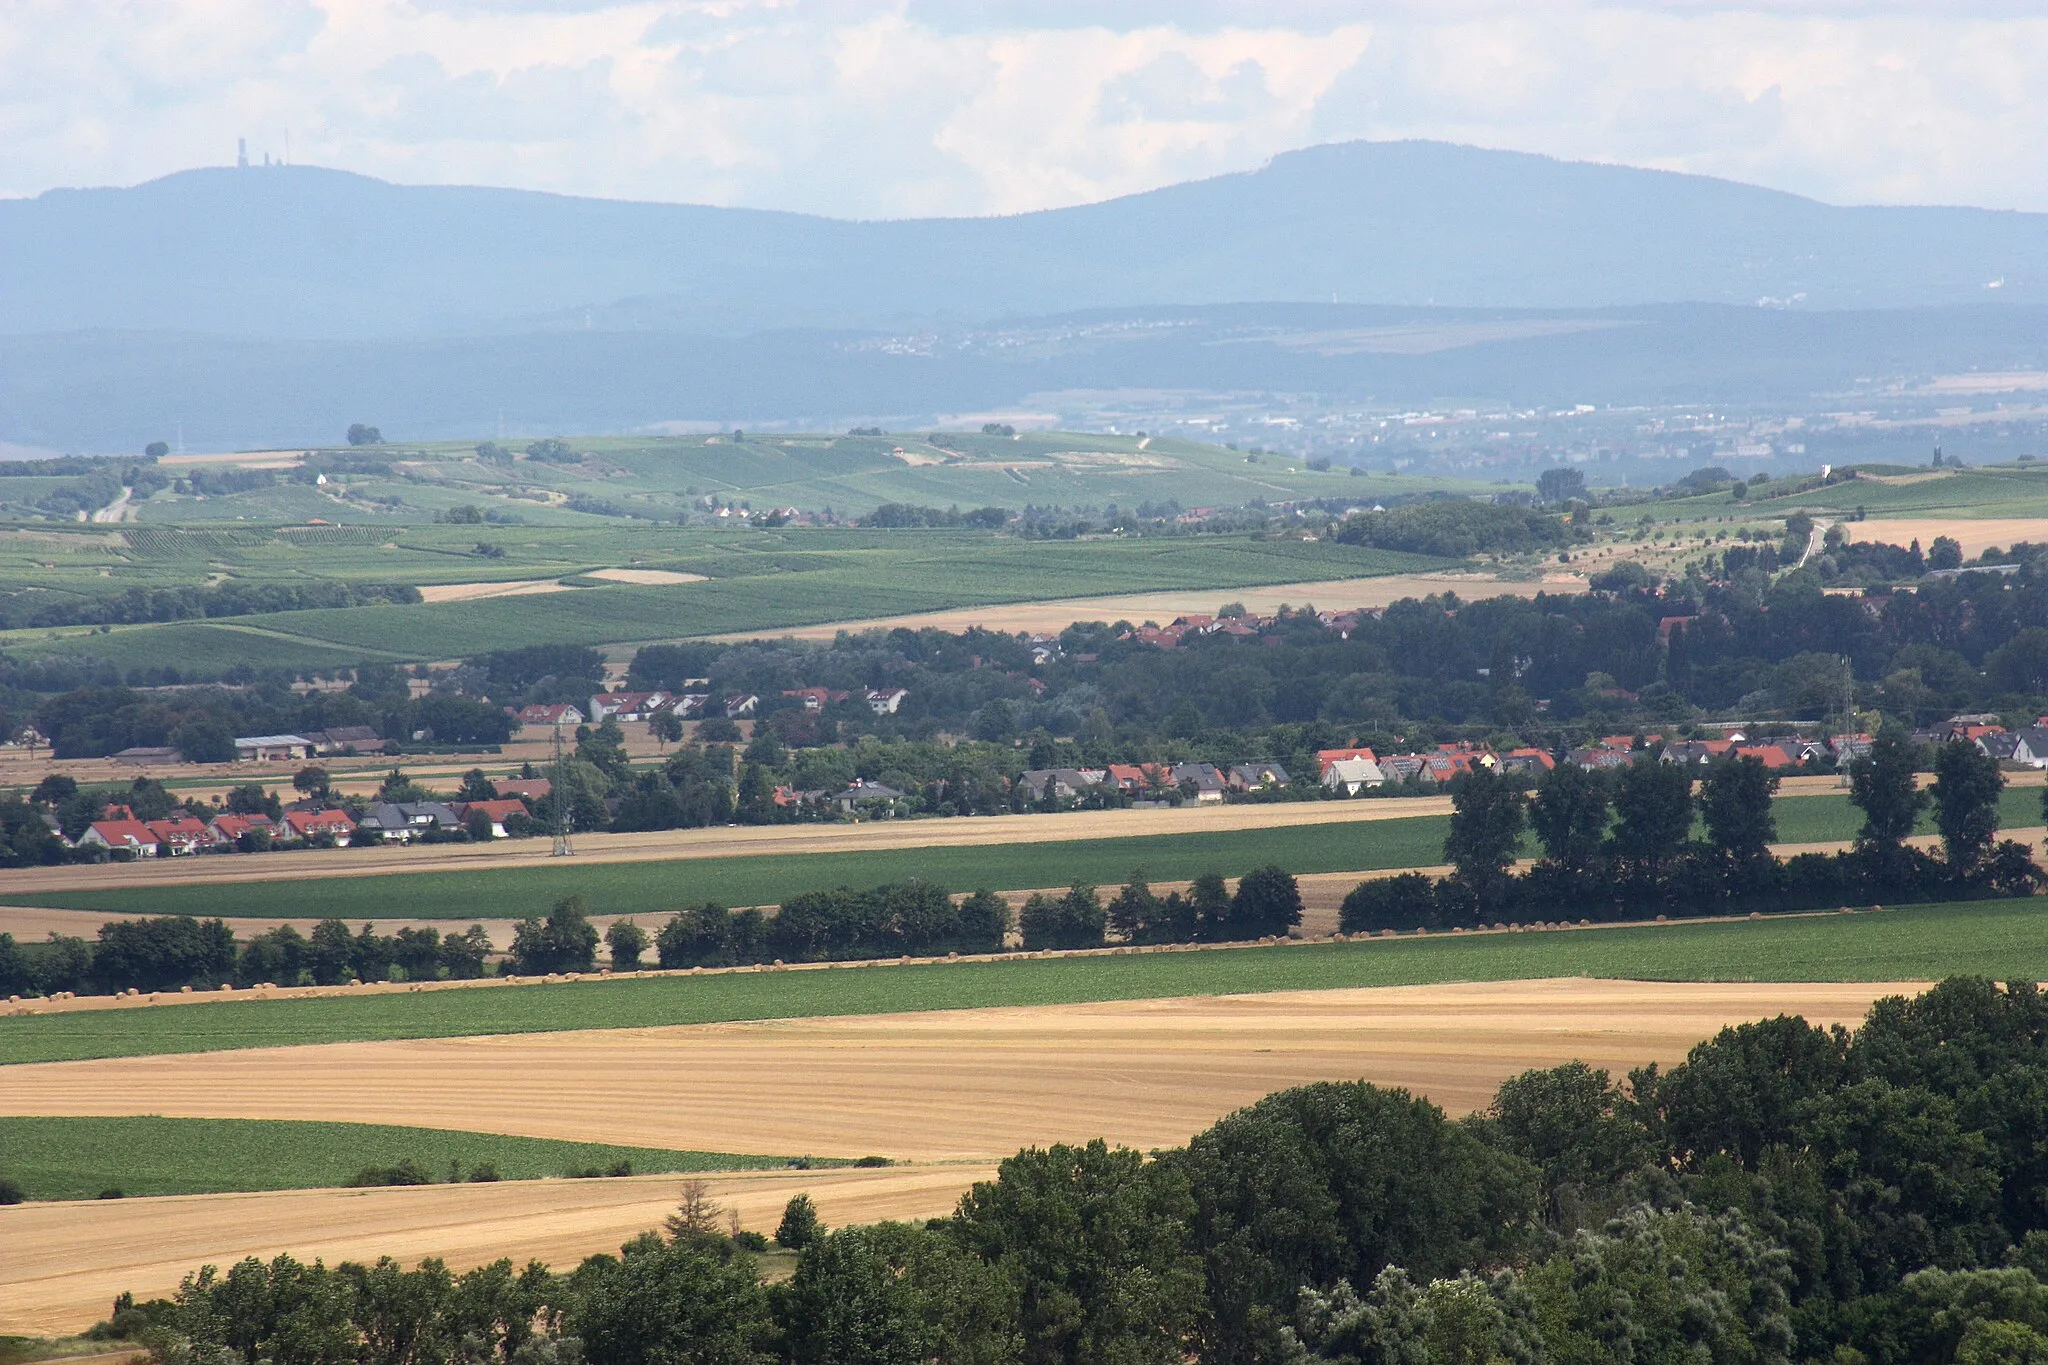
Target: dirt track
<point>62,1264</point>
<point>948,1085</point>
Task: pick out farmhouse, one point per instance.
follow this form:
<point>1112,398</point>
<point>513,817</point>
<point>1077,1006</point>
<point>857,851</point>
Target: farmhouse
<point>347,739</point>
<point>144,755</point>
<point>272,748</point>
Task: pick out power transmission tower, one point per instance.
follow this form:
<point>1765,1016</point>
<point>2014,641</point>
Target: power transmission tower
<point>558,797</point>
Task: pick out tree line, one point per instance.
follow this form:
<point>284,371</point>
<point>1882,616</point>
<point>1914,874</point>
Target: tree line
<point>1620,845</point>
<point>1786,1193</point>
<point>137,605</point>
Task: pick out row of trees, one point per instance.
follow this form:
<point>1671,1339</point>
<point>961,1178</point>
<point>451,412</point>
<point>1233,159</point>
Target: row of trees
<point>1621,845</point>
<point>175,951</point>
<point>1787,1193</point>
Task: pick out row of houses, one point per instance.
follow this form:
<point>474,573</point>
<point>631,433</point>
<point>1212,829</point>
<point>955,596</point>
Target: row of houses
<point>624,706</point>
<point>1247,626</point>
<point>393,821</point>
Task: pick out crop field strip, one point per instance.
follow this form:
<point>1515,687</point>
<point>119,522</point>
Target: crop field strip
<point>2000,939</point>
<point>957,1085</point>
<point>75,1157</point>
<point>859,584</point>
<point>655,885</point>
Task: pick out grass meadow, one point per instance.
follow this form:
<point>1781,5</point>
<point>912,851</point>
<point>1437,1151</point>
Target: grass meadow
<point>2007,940</point>
<point>81,1158</point>
<point>655,888</point>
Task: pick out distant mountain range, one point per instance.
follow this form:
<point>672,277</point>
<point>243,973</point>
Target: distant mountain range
<point>306,253</point>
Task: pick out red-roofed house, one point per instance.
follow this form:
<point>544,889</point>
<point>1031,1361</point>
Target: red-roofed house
<point>179,835</point>
<point>228,828</point>
<point>560,713</point>
<point>307,824</point>
<point>1770,755</point>
<point>1325,757</point>
<point>497,811</point>
<point>130,834</point>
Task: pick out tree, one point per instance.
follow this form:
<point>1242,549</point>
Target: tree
<point>330,953</point>
<point>627,941</point>
<point>1577,1129</point>
<point>476,824</point>
<point>476,787</point>
<point>1653,816</point>
<point>361,435</point>
<point>1945,553</point>
<point>984,923</point>
<point>1570,815</point>
<point>1881,786</point>
<point>800,1225</point>
<point>697,1216</point>
<point>251,799</point>
<point>1074,920</point>
<point>1965,794</point>
<point>692,1303</point>
<point>565,942</point>
<point>1735,801</point>
<point>156,450</point>
<point>666,727</point>
<point>1486,829</point>
<point>464,954</point>
<point>1133,908</point>
<point>897,1294</point>
<point>1096,1241</point>
<point>312,781</point>
<point>203,739</point>
<point>1560,484</point>
<point>1209,902</point>
<point>1268,901</point>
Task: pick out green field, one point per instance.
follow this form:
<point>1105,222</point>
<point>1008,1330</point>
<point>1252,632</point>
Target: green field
<point>79,1158</point>
<point>2007,940</point>
<point>654,888</point>
<point>781,580</point>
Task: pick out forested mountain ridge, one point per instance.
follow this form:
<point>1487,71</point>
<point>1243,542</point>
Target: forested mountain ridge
<point>300,251</point>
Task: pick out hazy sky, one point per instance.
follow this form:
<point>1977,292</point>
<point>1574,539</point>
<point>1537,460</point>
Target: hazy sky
<point>897,107</point>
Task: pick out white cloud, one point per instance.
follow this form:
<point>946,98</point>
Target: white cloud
<point>893,107</point>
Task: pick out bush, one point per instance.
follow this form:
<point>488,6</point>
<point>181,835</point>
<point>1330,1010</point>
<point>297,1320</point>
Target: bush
<point>800,1225</point>
<point>11,1192</point>
<point>484,1173</point>
<point>406,1172</point>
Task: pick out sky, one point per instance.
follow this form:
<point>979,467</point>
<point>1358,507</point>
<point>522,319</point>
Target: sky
<point>894,108</point>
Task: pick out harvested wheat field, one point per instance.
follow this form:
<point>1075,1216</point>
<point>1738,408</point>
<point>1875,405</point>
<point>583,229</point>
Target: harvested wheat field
<point>62,1264</point>
<point>645,577</point>
<point>947,1085</point>
<point>1974,534</point>
<point>479,592</point>
<point>1338,594</point>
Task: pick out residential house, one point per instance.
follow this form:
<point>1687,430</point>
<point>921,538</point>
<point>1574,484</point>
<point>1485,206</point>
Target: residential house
<point>347,739</point>
<point>179,835</point>
<point>1772,756</point>
<point>1202,780</point>
<point>690,705</point>
<point>228,828</point>
<point>1403,767</point>
<point>524,788</point>
<point>497,812</point>
<point>627,705</point>
<point>1697,752</point>
<point>815,699</point>
<point>1599,759</point>
<point>403,820</point>
<point>120,832</point>
<point>1849,747</point>
<point>1534,762</point>
<point>1136,779</point>
<point>1353,775</point>
<point>865,793</point>
<point>146,755</point>
<point>1063,783</point>
<point>2030,746</point>
<point>885,701</point>
<point>1326,757</point>
<point>741,706</point>
<point>1251,777</point>
<point>554,713</point>
<point>308,824</point>
<point>272,748</point>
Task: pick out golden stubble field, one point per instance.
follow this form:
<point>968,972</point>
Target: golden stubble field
<point>950,1092</point>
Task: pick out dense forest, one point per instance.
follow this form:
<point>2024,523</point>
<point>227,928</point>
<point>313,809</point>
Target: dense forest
<point>1788,1193</point>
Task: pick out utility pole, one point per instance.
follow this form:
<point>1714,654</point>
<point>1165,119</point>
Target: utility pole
<point>558,797</point>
